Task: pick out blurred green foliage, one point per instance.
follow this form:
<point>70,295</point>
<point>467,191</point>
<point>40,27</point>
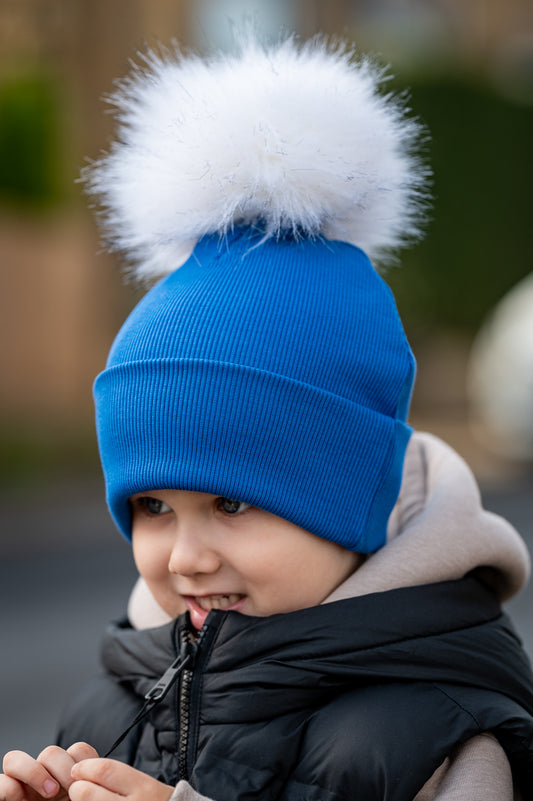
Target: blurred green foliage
<point>35,454</point>
<point>478,238</point>
<point>31,164</point>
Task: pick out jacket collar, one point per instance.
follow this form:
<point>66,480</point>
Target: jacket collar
<point>449,631</point>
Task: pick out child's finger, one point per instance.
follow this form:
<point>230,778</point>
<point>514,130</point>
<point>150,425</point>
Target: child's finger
<point>118,780</point>
<point>107,773</point>
<point>11,789</point>
<point>24,768</point>
<point>58,764</point>
<point>87,791</point>
<point>79,751</point>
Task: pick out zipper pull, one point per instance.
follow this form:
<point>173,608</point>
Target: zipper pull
<point>160,689</point>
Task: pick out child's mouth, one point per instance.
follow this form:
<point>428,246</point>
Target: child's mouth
<point>199,606</point>
<point>209,602</point>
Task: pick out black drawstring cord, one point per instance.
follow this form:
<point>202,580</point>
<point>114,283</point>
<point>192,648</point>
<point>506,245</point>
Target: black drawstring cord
<point>155,695</point>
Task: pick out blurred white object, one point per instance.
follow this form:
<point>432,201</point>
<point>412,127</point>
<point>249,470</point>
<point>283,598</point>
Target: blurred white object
<point>501,374</point>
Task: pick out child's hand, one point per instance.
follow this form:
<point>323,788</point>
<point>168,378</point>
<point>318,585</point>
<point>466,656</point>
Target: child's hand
<point>47,777</point>
<point>109,780</point>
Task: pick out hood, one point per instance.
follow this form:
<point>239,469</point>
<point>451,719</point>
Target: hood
<point>439,531</point>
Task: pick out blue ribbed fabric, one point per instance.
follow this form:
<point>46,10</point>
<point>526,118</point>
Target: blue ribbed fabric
<point>275,373</point>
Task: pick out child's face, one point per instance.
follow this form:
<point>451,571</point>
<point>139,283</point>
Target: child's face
<point>201,552</point>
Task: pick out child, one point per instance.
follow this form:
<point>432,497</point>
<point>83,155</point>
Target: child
<point>303,628</point>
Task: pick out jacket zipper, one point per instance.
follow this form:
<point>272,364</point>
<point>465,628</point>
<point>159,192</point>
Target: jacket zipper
<point>189,652</point>
<point>182,668</point>
<point>161,688</point>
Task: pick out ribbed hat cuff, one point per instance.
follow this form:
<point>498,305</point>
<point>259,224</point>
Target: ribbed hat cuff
<point>329,465</point>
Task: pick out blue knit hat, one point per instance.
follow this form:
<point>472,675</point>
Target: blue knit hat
<point>271,367</point>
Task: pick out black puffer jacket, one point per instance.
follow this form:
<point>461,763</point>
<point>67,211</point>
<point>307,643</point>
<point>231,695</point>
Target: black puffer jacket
<point>359,699</point>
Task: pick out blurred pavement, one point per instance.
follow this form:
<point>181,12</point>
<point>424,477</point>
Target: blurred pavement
<point>64,572</point>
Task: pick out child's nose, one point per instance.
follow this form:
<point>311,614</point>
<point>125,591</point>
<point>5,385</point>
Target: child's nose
<point>192,552</point>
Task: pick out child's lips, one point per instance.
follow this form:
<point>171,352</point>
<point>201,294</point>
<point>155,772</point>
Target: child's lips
<point>199,606</point>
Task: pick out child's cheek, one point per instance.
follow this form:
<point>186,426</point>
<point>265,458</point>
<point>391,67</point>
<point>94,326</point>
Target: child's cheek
<point>150,558</point>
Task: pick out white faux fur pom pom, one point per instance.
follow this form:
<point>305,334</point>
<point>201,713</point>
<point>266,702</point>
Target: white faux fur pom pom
<point>287,138</point>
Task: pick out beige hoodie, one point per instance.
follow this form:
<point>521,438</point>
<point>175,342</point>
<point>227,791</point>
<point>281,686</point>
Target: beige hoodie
<point>437,531</point>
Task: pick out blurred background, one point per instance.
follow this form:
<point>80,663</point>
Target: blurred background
<point>465,293</point>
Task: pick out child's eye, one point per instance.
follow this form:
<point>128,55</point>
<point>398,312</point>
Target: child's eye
<point>154,506</point>
<point>231,507</point>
